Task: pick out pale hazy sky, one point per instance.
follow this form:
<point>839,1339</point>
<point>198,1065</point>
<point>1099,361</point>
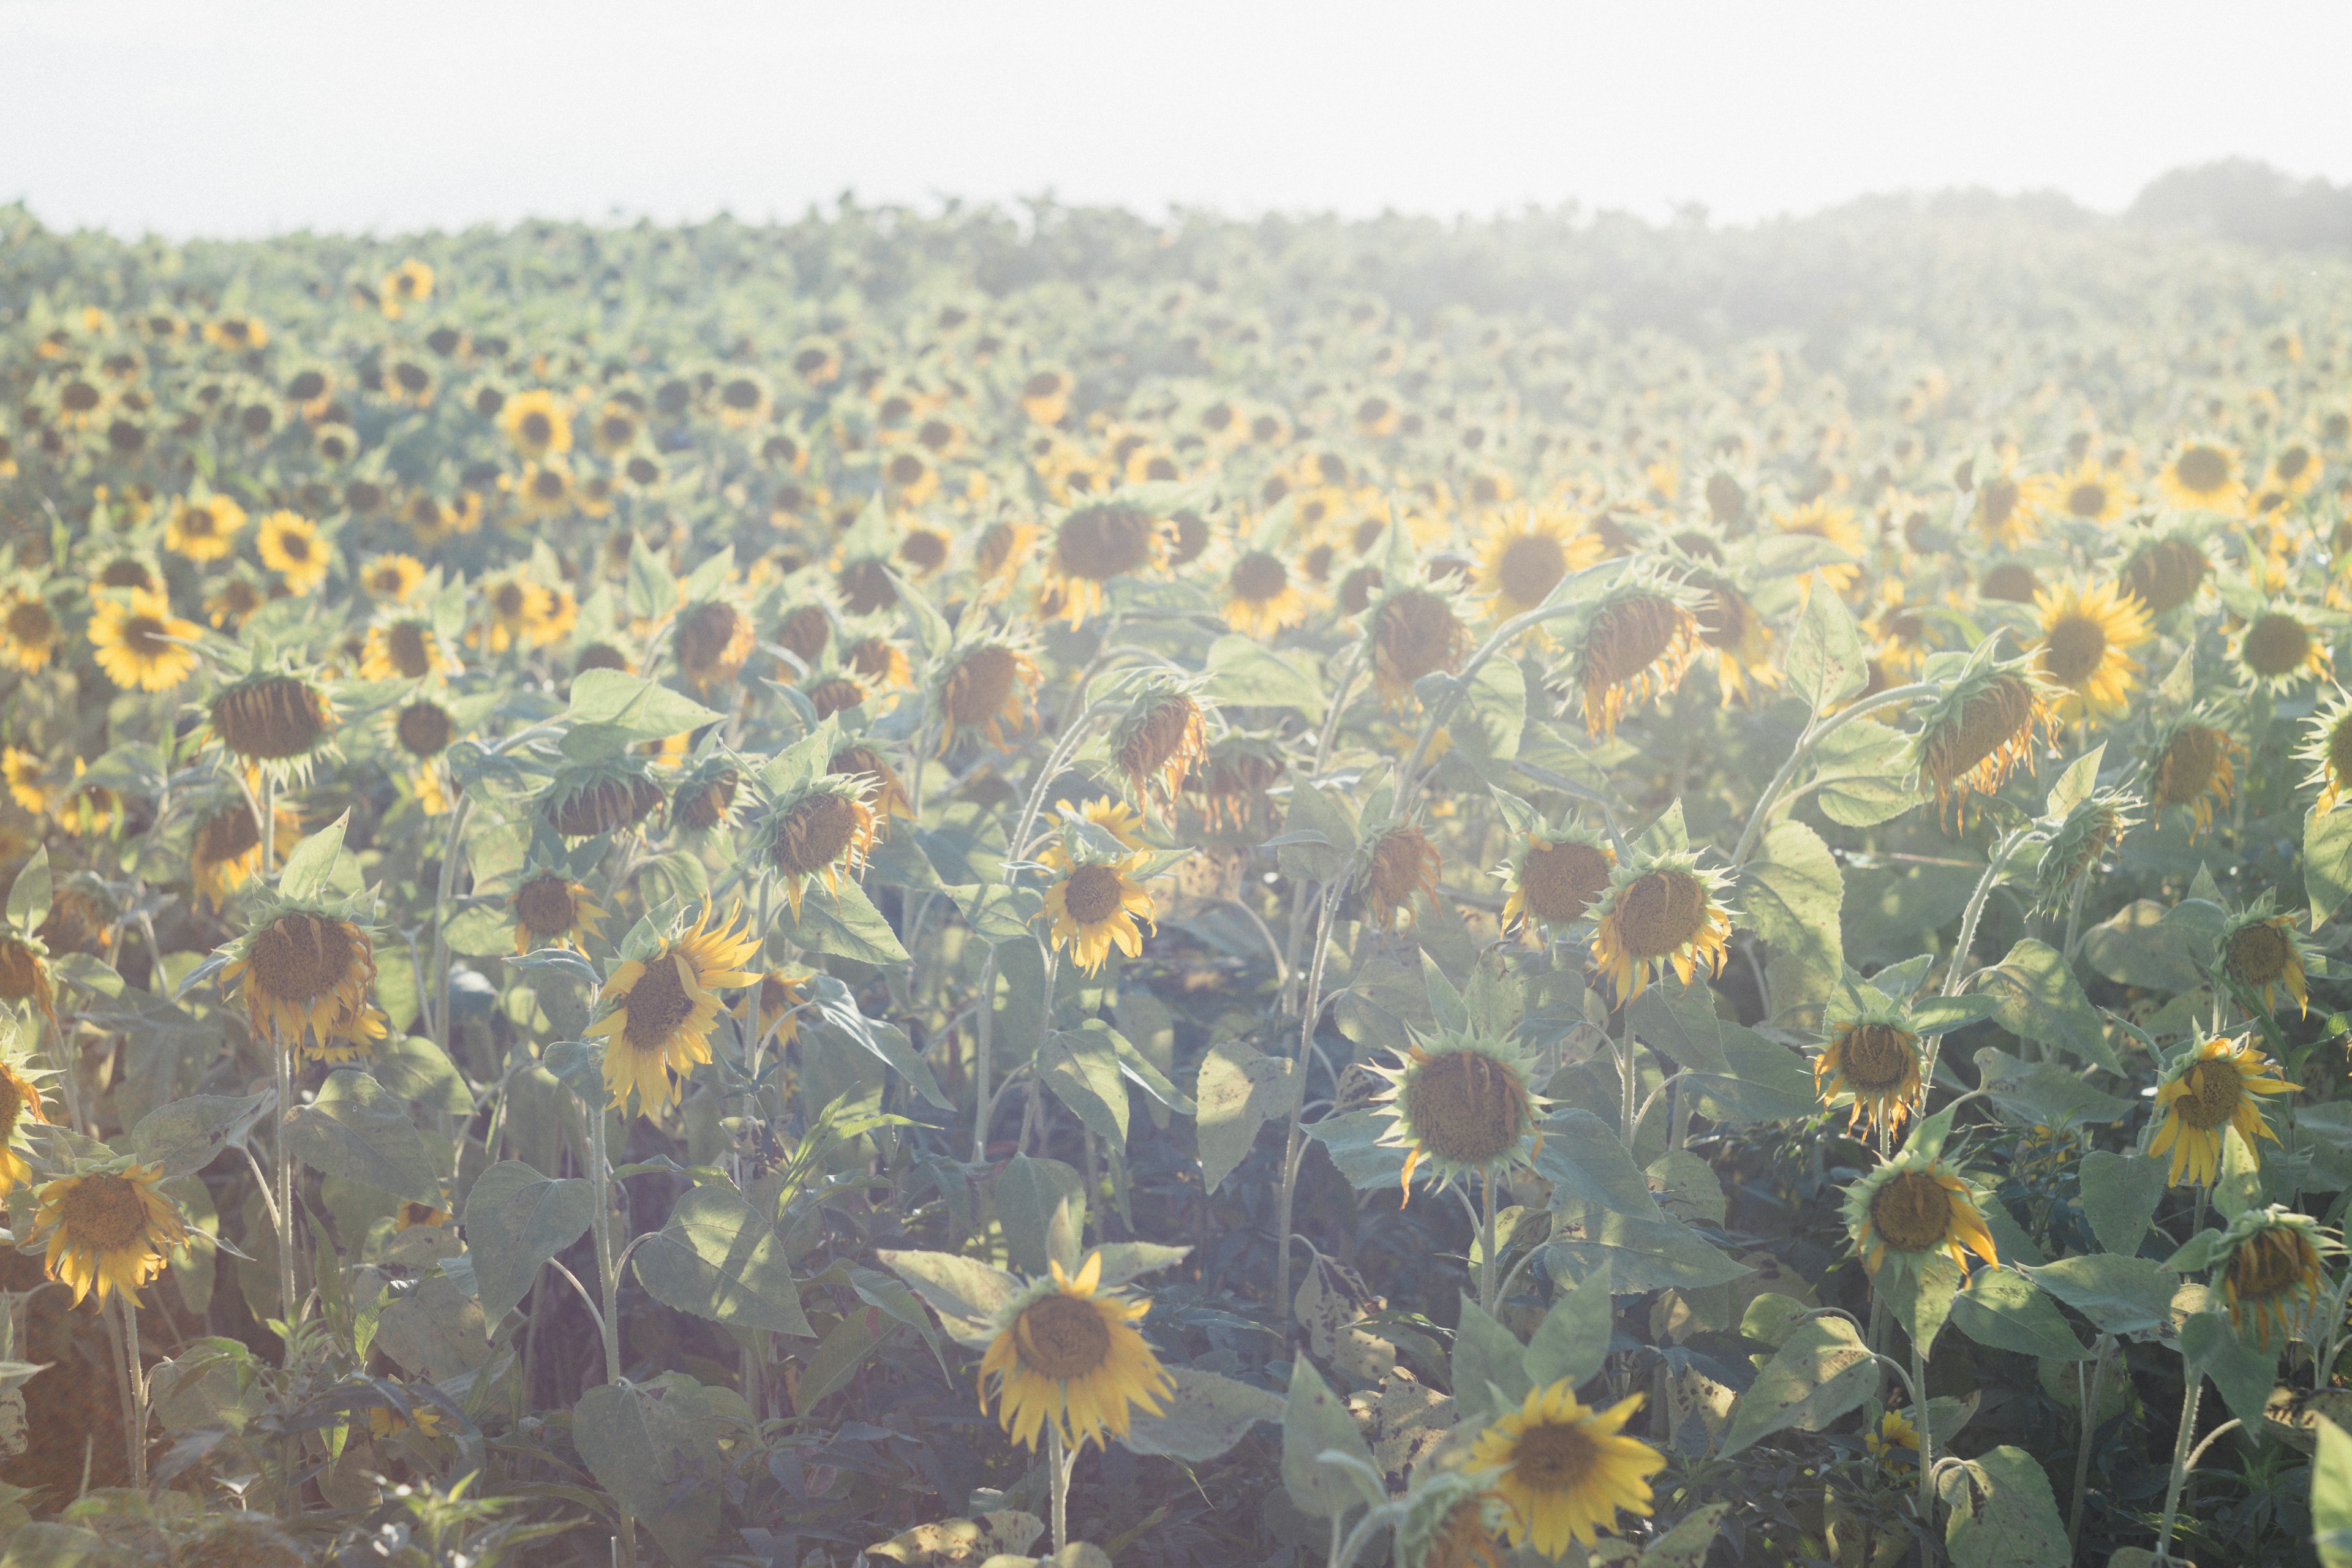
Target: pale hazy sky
<point>243,117</point>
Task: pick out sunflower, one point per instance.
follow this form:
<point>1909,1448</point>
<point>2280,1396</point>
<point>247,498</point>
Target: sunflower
<point>1525,557</point>
<point>1823,519</point>
<point>775,1002</point>
<point>108,1229</point>
<point>1659,911</point>
<point>1262,595</point>
<point>658,1011</point>
<point>537,423</point>
<point>273,720</point>
<point>1046,395</point>
<point>2088,492</point>
<point>1106,812</point>
<point>2271,1279</point>
<point>986,690</point>
<point>1402,862</point>
<point>1730,628</point>
<point>2165,573</point>
<point>24,772</point>
<point>236,334</point>
<point>392,576</point>
<point>1557,877</point>
<point>1156,742</point>
<point>2202,474</point>
<point>1066,1351</point>
<point>1873,1057</point>
<point>203,528</point>
<point>1447,1525</point>
<point>999,553</point>
<point>1462,1107</point>
<point>1894,1436</point>
<point>2205,1091</point>
<point>704,799</point>
<point>411,1215</point>
<point>2278,648</point>
<point>291,546</point>
<point>711,641</point>
<point>552,911</point>
<point>20,1101</point>
<point>609,796</point>
<point>410,283</point>
<point>233,604</point>
<point>820,832</point>
<point>28,630</point>
<point>1564,1469</point>
<point>2260,953</point>
<point>523,612</point>
<point>1415,632</point>
<point>25,972</point>
<point>303,971</point>
<point>140,643</point>
<point>1096,545</point>
<point>1914,1207</point>
<point>879,662</point>
<point>1980,727</point>
<point>2327,747</point>
<point>888,791</point>
<point>2195,769</point>
<point>2295,468</point>
<point>1637,643</point>
<point>1094,907</point>
<point>385,1422</point>
<point>225,852</point>
<point>2086,633</point>
<point>404,648</point>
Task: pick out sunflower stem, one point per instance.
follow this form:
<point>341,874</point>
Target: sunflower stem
<point>983,1103</point>
<point>2193,1376</point>
<point>2091,1397</point>
<point>1486,1248</point>
<point>287,1304</point>
<point>1804,748</point>
<point>600,1172</point>
<point>136,1377</point>
<point>1294,1146</point>
<point>266,821</point>
<point>1926,1436</point>
<point>458,811</point>
<point>1057,1473</point>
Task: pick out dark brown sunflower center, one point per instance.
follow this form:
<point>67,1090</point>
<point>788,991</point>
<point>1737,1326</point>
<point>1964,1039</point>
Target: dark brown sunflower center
<point>30,622</point>
<point>2292,462</point>
<point>2339,751</point>
<point>978,689</point>
<point>2268,1263</point>
<point>80,397</point>
<point>1063,1337</point>
<point>656,1005</point>
<point>411,648</point>
<point>2213,1093</point>
<point>545,907</point>
<point>1879,1057</point>
<point>1723,620</point>
<point>1045,383</point>
<point>510,601</point>
<point>2011,582</point>
<point>1998,502</point>
<point>1259,577</point>
<point>145,635</point>
<point>2201,471</point>
<point>1531,567</point>
<point>274,718</point>
<point>1101,543</point>
<point>607,806</point>
<point>197,522</point>
<point>1192,538</point>
<point>103,1213</point>
<point>2260,953</point>
<point>700,809</point>
<point>741,393</point>
<point>834,696</point>
<point>126,574</point>
<point>306,386</point>
<point>1627,638</point>
<point>2276,644</point>
<point>815,834</point>
<point>2186,766</point>
<point>2087,499</point>
<point>865,587</point>
<point>536,428</point>
<point>301,958</point>
<point>12,1105</point>
<point>1560,881</point>
<point>424,729</point>
<point>20,970</point>
<point>1467,1107</point>
<point>1996,717</point>
<point>1417,634</point>
<point>1659,914</point>
<point>2076,645</point>
<point>1912,1211</point>
<point>907,469</point>
<point>924,550</point>
<point>1559,1455</point>
<point>705,634</point>
<point>1093,893</point>
<point>601,656</point>
<point>806,632</point>
<point>226,835</point>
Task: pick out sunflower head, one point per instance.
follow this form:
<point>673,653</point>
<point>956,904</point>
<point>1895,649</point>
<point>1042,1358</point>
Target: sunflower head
<point>1094,905</point>
<point>2205,474</point>
<point>609,794</point>
<point>1065,1350</point>
<point>275,719</point>
<point>2086,635</point>
<point>551,909</point>
<point>2165,573</point>
<point>1231,776</point>
<point>1158,739</point>
<point>107,1228</point>
<point>711,641</point>
<point>305,971</point>
<point>986,689</point>
<point>2328,748</point>
<point>1915,1206</point>
<point>2269,1268</point>
<point>2080,841</point>
<point>822,829</point>
<point>2203,1092</point>
<point>1557,877</point>
<point>1873,1056</point>
<point>704,800</point>
<point>1527,554</point>
<point>1415,631</point>
<point>225,851</point>
<point>1563,1470</point>
<point>2279,649</point>
<point>2261,955</point>
<point>1661,911</point>
<point>1097,543</point>
<point>1980,727</point>
<point>1450,1522</point>
<point>657,1010</point>
<point>1635,644</point>
<point>2195,769</point>
<point>1461,1106</point>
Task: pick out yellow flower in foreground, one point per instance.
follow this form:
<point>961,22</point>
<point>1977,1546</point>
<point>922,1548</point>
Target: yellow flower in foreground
<point>1564,1469</point>
<point>1894,1436</point>
<point>1912,1208</point>
<point>2086,633</point>
<point>107,1232</point>
<point>1095,908</point>
<point>304,972</point>
<point>1876,1061</point>
<point>140,644</point>
<point>1659,914</point>
<point>2214,1089</point>
<point>1067,1352</point>
<point>660,1011</point>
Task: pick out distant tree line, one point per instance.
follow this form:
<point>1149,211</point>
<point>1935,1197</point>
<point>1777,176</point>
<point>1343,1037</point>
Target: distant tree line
<point>2249,202</point>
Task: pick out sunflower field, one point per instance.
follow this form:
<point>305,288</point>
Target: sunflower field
<point>985,888</point>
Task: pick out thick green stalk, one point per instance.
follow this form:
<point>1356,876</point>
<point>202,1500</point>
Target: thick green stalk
<point>2098,1388</point>
<point>1812,737</point>
<point>1294,1147</point>
<point>600,1172</point>
<point>1057,1472</point>
<point>2194,1375</point>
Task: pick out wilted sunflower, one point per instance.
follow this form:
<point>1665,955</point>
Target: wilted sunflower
<point>821,831</point>
<point>291,546</point>
<point>1730,628</point>
<point>1461,1106</point>
<point>2165,573</point>
<point>1066,1351</point>
<point>1636,644</point>
<point>887,791</point>
<point>2087,633</point>
<point>225,853</point>
<point>2195,769</point>
<point>610,796</point>
<point>1659,912</point>
<point>25,973</point>
<point>2260,952</point>
<point>1447,1523</point>
<point>2203,474</point>
<point>1097,544</point>
<point>1563,1470</point>
<point>1094,907</point>
<point>704,800</point>
<point>1873,1056</point>
<point>1525,555</point>
<point>2271,1280</point>
<point>107,1230</point>
<point>1914,1207</point>
<point>20,1101</point>
<point>2205,1091</point>
<point>1824,520</point>
<point>985,689</point>
<point>140,644</point>
<point>711,641</point>
<point>1402,862</point>
<point>404,648</point>
<point>203,528</point>
<point>28,630</point>
<point>1229,779</point>
<point>2089,830</point>
<point>550,910</point>
<point>302,971</point>
<point>273,721</point>
<point>537,423</point>
<point>1157,740</point>
<point>2279,649</point>
<point>1556,878</point>
<point>1262,595</point>
<point>998,555</point>
<point>1415,632</point>
<point>1980,728</point>
<point>658,1011</point>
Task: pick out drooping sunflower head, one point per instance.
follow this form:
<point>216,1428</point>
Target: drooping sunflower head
<point>1635,644</point>
<point>2087,632</point>
<point>1399,864</point>
<point>2166,571</point>
<point>1461,1106</point>
<point>107,1229</point>
<point>225,851</point>
<point>2280,649</point>
<point>1098,544</point>
<point>656,1012</point>
<point>1873,1056</point>
<point>1730,627</point>
<point>887,791</point>
<point>1557,877</point>
<point>711,641</point>
<point>24,971</point>
<point>276,720</point>
<point>1563,1470</point>
<point>2262,955</point>
<point>2270,1267</point>
<point>2079,842</point>
<point>1066,1351</point>
<point>1980,728</point>
<point>610,795</point>
<point>550,910</point>
<point>304,973</point>
<point>1094,905</point>
<point>1914,1207</point>
<point>1661,911</point>
<point>2205,1091</point>
<point>704,800</point>
<point>2195,768</point>
<point>1229,778</point>
<point>821,830</point>
<point>2203,474</point>
<point>1158,739</point>
<point>1528,553</point>
<point>1415,631</point>
<point>986,687</point>
<point>775,1003</point>
<point>1450,1522</point>
<point>20,1103</point>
